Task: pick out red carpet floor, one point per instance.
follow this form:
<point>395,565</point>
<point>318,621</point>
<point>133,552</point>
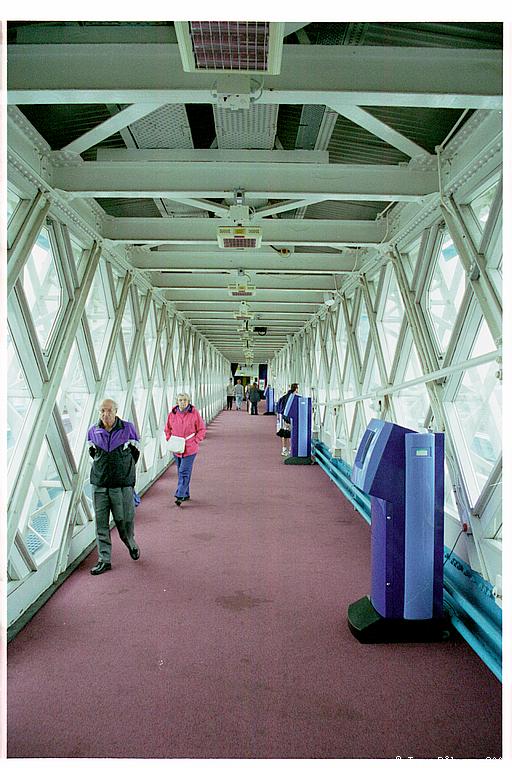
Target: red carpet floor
<point>229,638</point>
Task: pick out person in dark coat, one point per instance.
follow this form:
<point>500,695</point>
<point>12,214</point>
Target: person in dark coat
<point>254,398</point>
<point>114,448</point>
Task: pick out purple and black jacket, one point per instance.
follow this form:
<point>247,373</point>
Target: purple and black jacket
<point>115,454</point>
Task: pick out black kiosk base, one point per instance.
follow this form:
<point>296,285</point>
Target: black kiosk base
<point>299,460</point>
<point>368,626</point>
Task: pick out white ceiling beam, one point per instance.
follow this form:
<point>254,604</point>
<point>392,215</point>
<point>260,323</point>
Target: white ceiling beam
<point>293,26</point>
<point>182,293</point>
<point>215,281</point>
<point>310,74</point>
<point>117,122</point>
<point>280,232</point>
<point>260,260</point>
<point>378,128</point>
<point>263,316</point>
<point>272,210</point>
<point>205,205</point>
<point>257,304</point>
<point>233,335</point>
<point>121,34</point>
<point>230,324</point>
<point>212,155</point>
<point>259,180</point>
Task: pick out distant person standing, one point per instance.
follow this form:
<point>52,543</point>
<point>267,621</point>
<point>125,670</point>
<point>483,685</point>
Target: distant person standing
<point>184,420</point>
<point>283,422</point>
<point>230,393</point>
<point>239,394</point>
<point>246,394</point>
<point>254,397</point>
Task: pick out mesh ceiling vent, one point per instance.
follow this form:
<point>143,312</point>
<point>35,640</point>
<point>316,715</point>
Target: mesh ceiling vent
<point>240,238</point>
<point>253,47</point>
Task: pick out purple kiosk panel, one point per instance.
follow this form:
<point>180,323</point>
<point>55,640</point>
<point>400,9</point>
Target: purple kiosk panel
<point>269,394</point>
<point>424,526</point>
<point>298,409</point>
<point>379,470</point>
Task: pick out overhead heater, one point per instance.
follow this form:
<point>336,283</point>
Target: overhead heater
<point>242,288</point>
<point>243,312</point>
<point>251,47</point>
<point>239,235</point>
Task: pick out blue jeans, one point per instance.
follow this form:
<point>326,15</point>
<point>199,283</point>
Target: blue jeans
<point>184,464</point>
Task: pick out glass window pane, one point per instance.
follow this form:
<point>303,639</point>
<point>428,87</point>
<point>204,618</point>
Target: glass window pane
<point>410,258</point>
<point>19,398</point>
<point>72,402</point>
<point>481,205</point>
<point>157,392</point>
<point>318,352</point>
<point>142,300</point>
<point>391,320</point>
<point>450,504</point>
<point>349,390</point>
<point>164,341</point>
<point>118,285</point>
<point>115,386</point>
<point>478,408</point>
<point>149,446</point>
<point>42,287</point>
<point>358,432</point>
<point>412,403</point>
<point>98,317</point>
<point>139,395</point>
<point>445,291</point>
<point>341,339</point>
<point>176,348</point>
<point>372,382</point>
<point>42,505</point>
<point>484,342</point>
<point>13,202</point>
<point>362,330</point>
<point>77,251</point>
<point>150,336</point>
<point>128,329</point>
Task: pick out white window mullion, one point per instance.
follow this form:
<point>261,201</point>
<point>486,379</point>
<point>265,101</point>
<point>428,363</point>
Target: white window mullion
<point>475,267</point>
<point>49,394</point>
<point>27,235</point>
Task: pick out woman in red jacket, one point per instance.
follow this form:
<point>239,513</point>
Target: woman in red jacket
<point>185,420</point>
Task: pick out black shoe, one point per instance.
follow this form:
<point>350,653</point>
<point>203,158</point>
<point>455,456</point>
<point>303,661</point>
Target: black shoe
<point>100,568</point>
<point>134,552</point>
<point>178,500</point>
<point>185,498</point>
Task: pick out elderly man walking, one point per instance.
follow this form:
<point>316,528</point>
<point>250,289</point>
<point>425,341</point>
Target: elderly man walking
<point>114,446</point>
<point>239,393</point>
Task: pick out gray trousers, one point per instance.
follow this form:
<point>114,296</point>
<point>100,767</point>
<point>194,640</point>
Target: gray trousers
<point>119,501</point>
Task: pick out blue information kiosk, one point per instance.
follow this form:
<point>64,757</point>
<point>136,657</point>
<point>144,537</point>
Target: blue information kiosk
<point>403,472</point>
<point>298,410</point>
<point>269,395</point>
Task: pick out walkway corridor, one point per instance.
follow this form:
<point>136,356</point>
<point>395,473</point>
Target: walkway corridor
<point>229,638</point>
